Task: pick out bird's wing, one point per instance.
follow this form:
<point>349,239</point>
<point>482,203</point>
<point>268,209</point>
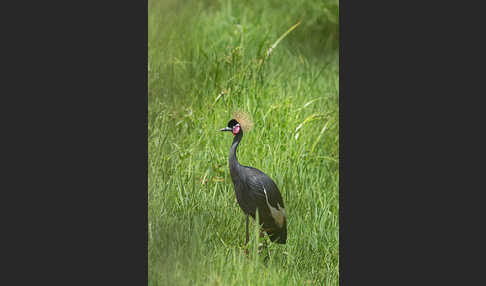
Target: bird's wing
<point>269,201</point>
<point>264,187</point>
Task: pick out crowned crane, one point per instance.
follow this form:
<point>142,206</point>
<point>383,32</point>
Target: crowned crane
<point>256,191</point>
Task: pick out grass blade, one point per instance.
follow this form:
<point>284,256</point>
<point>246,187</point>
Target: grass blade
<point>270,50</point>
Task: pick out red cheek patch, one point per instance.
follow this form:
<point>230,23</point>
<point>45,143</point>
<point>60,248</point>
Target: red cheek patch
<point>236,129</point>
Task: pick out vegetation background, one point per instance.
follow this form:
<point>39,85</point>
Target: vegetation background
<point>207,59</point>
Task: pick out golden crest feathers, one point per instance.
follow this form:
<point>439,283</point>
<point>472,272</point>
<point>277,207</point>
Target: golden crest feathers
<point>244,119</point>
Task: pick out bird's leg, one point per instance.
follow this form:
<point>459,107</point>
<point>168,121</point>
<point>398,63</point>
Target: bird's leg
<point>247,237</point>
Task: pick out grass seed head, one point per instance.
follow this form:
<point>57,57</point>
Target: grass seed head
<point>244,119</point>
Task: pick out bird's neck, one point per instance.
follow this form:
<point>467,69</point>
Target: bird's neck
<point>233,160</point>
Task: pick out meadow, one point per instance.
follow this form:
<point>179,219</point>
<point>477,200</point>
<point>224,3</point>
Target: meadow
<point>206,60</point>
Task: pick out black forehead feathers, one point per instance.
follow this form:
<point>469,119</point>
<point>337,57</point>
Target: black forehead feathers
<point>232,123</point>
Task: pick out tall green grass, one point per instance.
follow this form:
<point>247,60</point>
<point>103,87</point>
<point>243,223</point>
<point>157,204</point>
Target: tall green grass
<point>206,60</point>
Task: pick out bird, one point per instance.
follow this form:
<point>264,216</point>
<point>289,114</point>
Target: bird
<point>256,191</point>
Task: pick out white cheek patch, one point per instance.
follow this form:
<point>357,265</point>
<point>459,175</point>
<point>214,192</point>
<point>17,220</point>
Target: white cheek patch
<point>277,214</point>
<point>236,129</point>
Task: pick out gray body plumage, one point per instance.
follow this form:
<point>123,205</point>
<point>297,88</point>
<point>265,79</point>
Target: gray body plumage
<point>254,191</point>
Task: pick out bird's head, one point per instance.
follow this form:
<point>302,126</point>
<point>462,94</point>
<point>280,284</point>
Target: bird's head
<point>241,122</point>
<point>233,126</point>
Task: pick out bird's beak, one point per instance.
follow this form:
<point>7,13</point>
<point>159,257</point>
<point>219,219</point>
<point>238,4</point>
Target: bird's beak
<point>226,129</point>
